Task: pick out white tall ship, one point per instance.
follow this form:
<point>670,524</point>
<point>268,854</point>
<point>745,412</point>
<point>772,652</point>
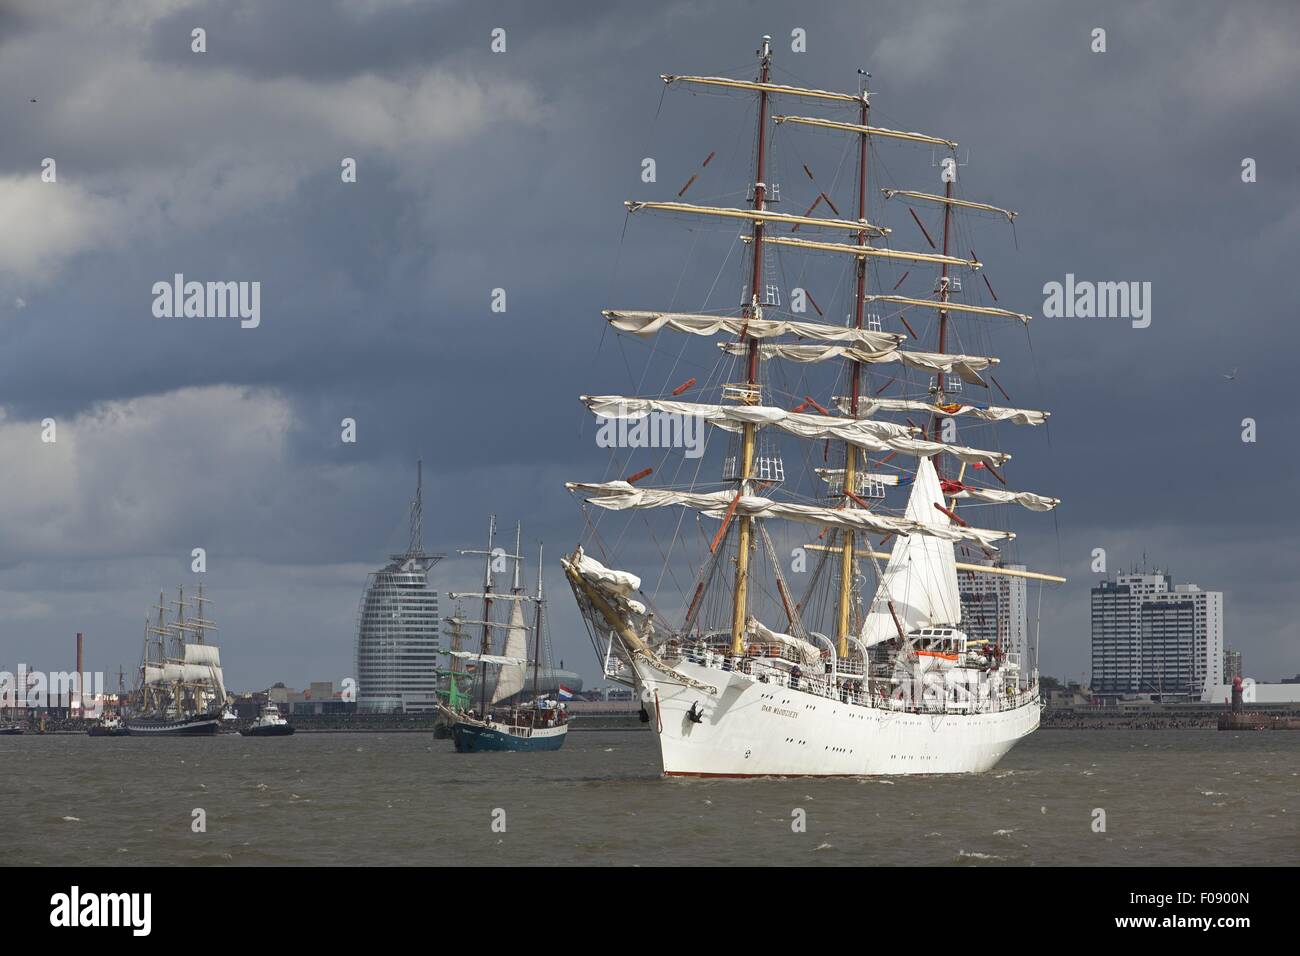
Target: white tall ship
<point>868,670</point>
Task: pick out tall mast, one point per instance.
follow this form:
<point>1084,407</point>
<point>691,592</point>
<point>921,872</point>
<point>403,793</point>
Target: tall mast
<point>200,622</point>
<point>517,587</point>
<point>487,613</point>
<point>740,603</point>
<point>537,623</point>
<point>943,313</point>
<point>161,630</point>
<point>847,565</point>
<point>456,635</point>
<point>180,643</point>
<point>179,624</point>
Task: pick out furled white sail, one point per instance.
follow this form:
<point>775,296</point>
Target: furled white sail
<point>1025,499</point>
<point>778,88</point>
<point>860,432</point>
<point>870,252</point>
<point>620,496</point>
<point>759,215</point>
<point>866,130</point>
<point>617,582</point>
<point>809,654</point>
<point>921,448</point>
<point>835,477</point>
<point>734,417</point>
<point>648,323</point>
<point>920,578</point>
<point>951,201</point>
<point>949,306</point>
<point>487,658</point>
<point>510,679</point>
<point>967,367</point>
<point>617,586</point>
<point>988,413</point>
<point>467,622</point>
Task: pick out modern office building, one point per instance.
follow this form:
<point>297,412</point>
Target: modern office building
<point>399,630</point>
<point>1151,637</point>
<point>995,608</point>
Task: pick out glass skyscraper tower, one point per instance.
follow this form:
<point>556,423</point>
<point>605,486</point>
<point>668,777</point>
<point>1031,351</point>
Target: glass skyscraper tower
<point>399,631</point>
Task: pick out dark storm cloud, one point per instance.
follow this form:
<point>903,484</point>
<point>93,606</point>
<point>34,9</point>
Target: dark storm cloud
<point>479,170</point>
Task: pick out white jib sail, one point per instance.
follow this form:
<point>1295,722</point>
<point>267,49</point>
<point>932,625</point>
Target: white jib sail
<point>920,578</point>
<point>510,680</point>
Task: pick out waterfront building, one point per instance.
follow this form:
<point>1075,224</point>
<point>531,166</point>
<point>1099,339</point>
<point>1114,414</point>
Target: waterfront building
<point>399,630</point>
<point>1151,637</point>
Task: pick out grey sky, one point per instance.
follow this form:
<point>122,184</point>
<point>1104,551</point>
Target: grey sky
<point>479,170</point>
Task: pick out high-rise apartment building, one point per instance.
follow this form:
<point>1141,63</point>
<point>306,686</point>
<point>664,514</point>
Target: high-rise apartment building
<point>1152,637</point>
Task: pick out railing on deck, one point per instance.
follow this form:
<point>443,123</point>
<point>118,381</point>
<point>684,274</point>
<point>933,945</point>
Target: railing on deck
<point>872,691</point>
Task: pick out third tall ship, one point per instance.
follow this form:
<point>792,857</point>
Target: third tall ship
<point>868,670</point>
<point>181,691</point>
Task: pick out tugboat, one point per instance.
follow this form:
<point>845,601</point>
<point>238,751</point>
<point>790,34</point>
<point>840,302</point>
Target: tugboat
<point>269,724</point>
<point>110,726</point>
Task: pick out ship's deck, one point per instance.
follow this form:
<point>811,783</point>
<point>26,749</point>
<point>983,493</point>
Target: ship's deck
<point>877,688</point>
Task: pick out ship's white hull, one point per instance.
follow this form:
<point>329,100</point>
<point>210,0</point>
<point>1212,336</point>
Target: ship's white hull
<point>752,729</point>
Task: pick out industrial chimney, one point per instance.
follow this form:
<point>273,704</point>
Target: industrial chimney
<point>78,689</point>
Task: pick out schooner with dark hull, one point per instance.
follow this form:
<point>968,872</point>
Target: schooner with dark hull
<point>858,675</point>
<point>511,718</point>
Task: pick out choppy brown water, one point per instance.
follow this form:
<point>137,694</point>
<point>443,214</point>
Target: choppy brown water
<point>1171,797</point>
